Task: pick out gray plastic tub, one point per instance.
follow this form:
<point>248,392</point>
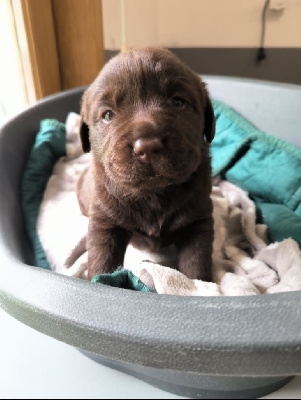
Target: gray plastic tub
<point>230,347</point>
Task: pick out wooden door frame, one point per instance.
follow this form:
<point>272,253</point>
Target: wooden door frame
<point>65,42</point>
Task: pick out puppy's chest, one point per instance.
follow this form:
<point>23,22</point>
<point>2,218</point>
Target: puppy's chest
<point>153,226</point>
<point>154,220</point>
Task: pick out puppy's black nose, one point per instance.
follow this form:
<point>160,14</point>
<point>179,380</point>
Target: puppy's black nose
<point>147,149</point>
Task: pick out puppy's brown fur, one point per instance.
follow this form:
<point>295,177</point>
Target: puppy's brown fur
<point>147,98</point>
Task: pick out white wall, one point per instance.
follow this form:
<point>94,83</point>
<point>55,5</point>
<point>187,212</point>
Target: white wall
<point>13,96</point>
<point>201,23</point>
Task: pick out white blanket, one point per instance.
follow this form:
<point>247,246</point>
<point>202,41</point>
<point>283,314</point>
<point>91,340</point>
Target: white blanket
<point>243,262</point>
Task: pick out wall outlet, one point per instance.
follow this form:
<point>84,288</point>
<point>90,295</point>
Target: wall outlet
<point>277,5</point>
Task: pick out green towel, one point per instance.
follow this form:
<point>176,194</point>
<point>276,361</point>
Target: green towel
<point>122,279</point>
<point>268,168</point>
<point>49,146</point>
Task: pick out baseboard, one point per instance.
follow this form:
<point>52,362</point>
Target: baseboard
<point>280,65</point>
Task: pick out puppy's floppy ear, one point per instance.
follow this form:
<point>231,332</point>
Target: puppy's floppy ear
<point>209,119</point>
<point>83,126</point>
<point>84,135</point>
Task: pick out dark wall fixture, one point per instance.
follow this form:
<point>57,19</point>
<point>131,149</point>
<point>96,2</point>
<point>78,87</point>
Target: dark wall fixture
<point>261,54</point>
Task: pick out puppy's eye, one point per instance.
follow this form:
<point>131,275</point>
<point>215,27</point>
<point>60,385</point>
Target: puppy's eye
<point>178,101</point>
<point>107,116</point>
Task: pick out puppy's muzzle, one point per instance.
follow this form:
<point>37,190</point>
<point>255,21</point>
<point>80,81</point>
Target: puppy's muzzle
<point>147,150</point>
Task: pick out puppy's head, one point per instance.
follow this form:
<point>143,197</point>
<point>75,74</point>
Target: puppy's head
<point>147,119</point>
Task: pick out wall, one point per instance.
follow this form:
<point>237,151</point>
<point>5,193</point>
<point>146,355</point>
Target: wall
<point>201,23</point>
<point>213,36</point>
<point>12,86</point>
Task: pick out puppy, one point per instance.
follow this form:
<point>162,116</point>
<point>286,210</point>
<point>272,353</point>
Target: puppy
<point>148,121</point>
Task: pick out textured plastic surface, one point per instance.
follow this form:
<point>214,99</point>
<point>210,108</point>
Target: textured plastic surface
<point>188,345</point>
<point>273,108</point>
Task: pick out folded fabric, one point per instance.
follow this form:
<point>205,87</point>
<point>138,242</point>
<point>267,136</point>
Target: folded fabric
<point>64,236</point>
<point>49,146</point>
<point>124,279</point>
<point>269,169</point>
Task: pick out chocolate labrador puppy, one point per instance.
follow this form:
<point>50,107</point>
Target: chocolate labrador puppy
<point>148,121</point>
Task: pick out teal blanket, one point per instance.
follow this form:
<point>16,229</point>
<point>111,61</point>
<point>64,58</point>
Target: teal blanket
<point>49,146</point>
<point>121,278</point>
<point>268,168</point>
